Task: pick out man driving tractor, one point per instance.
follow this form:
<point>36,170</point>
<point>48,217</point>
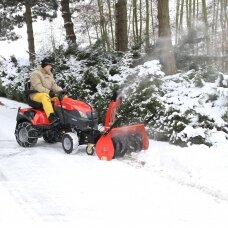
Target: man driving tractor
<point>43,82</point>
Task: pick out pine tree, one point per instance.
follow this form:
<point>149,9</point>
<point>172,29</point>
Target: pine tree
<point>6,28</point>
<point>26,11</point>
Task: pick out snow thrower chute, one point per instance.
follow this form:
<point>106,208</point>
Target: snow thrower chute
<point>117,141</point>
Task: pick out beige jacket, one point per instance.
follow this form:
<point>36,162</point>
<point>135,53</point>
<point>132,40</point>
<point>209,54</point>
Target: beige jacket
<point>43,82</point>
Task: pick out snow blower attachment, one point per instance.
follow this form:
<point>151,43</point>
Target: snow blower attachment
<point>117,141</point>
<point>78,125</point>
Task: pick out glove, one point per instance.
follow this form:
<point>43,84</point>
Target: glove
<point>62,94</point>
<point>51,94</point>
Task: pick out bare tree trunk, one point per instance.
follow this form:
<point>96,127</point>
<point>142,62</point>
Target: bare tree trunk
<point>180,25</point>
<point>187,13</point>
<point>97,32</point>
<point>153,40</point>
<point>204,7</point>
<point>68,24</point>
<point>111,25</point>
<point>167,57</point>
<point>189,24</point>
<point>224,26</point>
<point>140,20</point>
<point>197,17</point>
<point>129,20</point>
<point>87,29</point>
<point>214,28</point>
<point>194,13</point>
<point>177,20</point>
<point>135,22</point>
<point>121,26</point>
<point>104,33</point>
<point>31,45</point>
<point>147,36</point>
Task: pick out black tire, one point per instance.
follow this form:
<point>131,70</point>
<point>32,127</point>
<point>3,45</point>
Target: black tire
<point>70,143</point>
<point>50,137</point>
<point>26,135</point>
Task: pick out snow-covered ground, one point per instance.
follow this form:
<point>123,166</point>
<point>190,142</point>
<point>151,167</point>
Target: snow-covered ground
<point>166,186</point>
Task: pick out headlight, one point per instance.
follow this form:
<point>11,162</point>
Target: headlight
<point>82,114</point>
<point>92,115</point>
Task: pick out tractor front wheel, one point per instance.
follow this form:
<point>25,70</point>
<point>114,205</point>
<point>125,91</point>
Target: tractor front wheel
<point>70,143</point>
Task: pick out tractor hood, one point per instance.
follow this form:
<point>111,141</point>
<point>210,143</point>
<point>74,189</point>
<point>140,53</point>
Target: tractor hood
<point>70,104</point>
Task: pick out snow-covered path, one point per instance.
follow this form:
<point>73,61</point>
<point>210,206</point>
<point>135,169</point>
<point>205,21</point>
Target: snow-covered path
<point>167,186</point>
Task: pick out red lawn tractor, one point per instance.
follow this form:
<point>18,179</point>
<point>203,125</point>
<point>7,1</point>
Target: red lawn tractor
<point>78,125</point>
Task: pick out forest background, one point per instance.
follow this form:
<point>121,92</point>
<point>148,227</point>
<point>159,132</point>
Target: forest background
<point>145,49</point>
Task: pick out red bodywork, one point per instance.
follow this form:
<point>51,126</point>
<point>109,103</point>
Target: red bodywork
<point>67,103</point>
<point>40,117</point>
<point>71,104</point>
<point>104,146</point>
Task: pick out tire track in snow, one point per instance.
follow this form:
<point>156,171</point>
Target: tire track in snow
<point>7,146</point>
<point>10,148</point>
<point>134,162</point>
<point>2,177</point>
<point>127,159</point>
<point>195,185</point>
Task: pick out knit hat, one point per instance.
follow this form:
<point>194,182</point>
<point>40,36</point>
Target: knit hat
<point>46,61</point>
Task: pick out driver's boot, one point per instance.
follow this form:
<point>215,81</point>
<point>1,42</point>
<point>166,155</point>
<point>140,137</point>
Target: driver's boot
<point>53,118</point>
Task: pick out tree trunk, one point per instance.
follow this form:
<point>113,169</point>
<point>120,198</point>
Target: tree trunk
<point>121,26</point>
<point>110,21</point>
<point>68,24</point>
<point>147,36</point>
<point>177,20</point>
<point>135,22</point>
<point>180,24</point>
<point>153,40</point>
<point>224,26</point>
<point>167,57</point>
<point>140,20</point>
<point>104,33</point>
<point>30,36</point>
<point>204,7</point>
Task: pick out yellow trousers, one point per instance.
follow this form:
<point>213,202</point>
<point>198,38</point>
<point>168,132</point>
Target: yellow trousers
<point>45,100</point>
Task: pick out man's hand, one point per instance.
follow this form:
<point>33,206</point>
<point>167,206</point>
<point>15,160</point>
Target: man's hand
<point>52,94</point>
<point>62,94</point>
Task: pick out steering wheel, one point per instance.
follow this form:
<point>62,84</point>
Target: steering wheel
<point>61,94</point>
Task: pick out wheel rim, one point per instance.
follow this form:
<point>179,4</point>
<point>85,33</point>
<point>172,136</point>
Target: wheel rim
<point>23,135</point>
<point>90,150</point>
<point>67,143</point>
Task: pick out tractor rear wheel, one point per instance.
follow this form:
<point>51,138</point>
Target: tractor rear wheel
<point>26,135</point>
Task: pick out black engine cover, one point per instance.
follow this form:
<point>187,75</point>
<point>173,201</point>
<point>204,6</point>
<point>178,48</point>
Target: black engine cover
<point>74,119</point>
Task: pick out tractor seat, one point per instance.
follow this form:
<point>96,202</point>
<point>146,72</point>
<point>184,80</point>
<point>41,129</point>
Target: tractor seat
<point>34,104</point>
<point>27,98</point>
